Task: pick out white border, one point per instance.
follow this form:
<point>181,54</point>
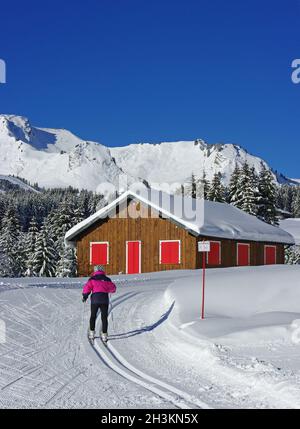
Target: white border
<point>220,252</point>
<point>265,254</point>
<point>169,241</point>
<point>99,242</point>
<point>237,254</point>
<point>140,254</point>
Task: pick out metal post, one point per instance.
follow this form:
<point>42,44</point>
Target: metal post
<point>203,283</point>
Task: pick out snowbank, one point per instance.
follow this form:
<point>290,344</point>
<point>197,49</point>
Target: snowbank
<point>242,304</point>
<point>292,226</point>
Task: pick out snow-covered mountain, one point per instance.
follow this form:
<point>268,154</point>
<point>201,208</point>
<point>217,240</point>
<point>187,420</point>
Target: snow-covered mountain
<point>175,162</point>
<point>57,158</point>
<point>53,158</point>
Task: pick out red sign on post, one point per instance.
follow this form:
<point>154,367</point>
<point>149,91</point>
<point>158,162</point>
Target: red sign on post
<point>204,247</point>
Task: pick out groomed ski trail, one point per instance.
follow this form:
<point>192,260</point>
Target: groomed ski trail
<point>114,360</point>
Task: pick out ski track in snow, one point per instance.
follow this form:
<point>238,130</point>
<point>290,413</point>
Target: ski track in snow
<point>47,361</point>
<point>118,363</point>
<point>44,363</point>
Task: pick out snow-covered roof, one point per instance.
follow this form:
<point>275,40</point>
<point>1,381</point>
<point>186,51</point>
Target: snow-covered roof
<point>199,216</point>
<point>292,226</point>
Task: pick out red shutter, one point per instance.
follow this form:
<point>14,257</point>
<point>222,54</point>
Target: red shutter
<point>243,254</point>
<point>270,255</point>
<point>214,255</point>
<point>99,253</point>
<point>169,252</point>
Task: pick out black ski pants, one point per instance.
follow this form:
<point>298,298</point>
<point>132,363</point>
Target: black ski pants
<point>104,313</point>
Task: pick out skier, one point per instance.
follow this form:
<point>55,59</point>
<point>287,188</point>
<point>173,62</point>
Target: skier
<point>99,286</point>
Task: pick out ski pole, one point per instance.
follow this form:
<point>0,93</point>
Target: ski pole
<point>111,308</point>
<point>111,311</point>
<point>82,319</point>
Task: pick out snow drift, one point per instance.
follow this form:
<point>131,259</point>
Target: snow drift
<point>242,304</point>
<point>292,226</point>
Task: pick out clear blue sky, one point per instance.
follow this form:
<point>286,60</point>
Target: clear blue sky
<point>125,71</point>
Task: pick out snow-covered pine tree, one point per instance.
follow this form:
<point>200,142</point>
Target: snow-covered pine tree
<point>191,187</point>
<point>11,260</point>
<point>288,197</point>
<point>292,255</point>
<point>254,186</point>
<point>41,204</point>
<point>45,255</point>
<point>2,210</point>
<point>67,264</point>
<point>67,215</point>
<point>196,187</point>
<point>233,189</point>
<point>21,253</point>
<point>267,197</point>
<point>296,202</point>
<point>61,220</point>
<point>216,190</point>
<point>78,215</point>
<point>95,201</point>
<point>30,245</point>
<point>285,198</point>
<point>87,202</point>
<point>203,186</point>
<point>6,267</point>
<point>247,193</point>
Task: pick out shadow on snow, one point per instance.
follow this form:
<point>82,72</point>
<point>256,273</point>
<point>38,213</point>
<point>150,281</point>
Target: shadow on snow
<point>148,328</point>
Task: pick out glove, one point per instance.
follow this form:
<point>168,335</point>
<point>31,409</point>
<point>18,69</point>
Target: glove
<point>83,299</point>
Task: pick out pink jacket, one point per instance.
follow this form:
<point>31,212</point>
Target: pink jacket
<point>104,284</point>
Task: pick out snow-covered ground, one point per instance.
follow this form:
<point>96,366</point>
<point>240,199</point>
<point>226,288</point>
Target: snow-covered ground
<point>161,354</point>
<point>251,333</point>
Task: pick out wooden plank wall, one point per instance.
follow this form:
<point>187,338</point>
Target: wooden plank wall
<point>119,229</point>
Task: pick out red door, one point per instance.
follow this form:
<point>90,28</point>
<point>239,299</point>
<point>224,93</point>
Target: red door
<point>243,254</point>
<point>133,257</point>
<point>214,255</point>
<point>270,255</point>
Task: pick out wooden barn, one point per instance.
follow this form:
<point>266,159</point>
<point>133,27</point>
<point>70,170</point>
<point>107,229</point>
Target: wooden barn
<point>150,231</point>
